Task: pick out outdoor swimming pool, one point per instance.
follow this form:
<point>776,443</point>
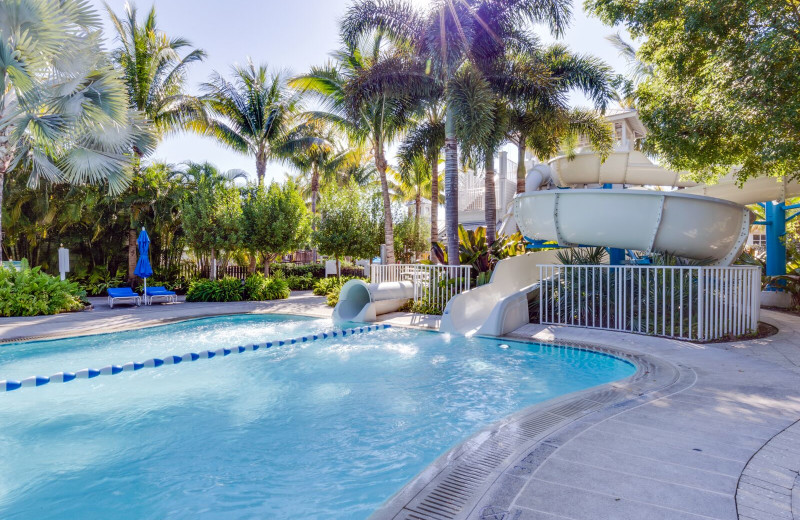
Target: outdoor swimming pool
<point>327,429</point>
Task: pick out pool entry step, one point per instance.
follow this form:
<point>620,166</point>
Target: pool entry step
<point>110,370</point>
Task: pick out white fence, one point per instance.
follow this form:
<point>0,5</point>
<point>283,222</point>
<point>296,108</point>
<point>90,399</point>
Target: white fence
<point>693,303</point>
<point>434,285</point>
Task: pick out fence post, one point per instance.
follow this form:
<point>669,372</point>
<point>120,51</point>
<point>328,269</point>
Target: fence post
<point>755,303</point>
<point>541,293</point>
<point>700,303</point>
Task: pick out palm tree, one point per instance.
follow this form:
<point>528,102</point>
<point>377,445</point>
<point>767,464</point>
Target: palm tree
<point>154,71</point>
<point>64,114</point>
<point>252,115</point>
<point>411,183</point>
<point>368,112</point>
<point>445,37</point>
<point>311,148</point>
<point>155,75</point>
<point>542,120</point>
<point>638,71</point>
<point>426,139</point>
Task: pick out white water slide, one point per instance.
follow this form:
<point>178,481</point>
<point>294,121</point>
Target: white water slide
<point>698,222</point>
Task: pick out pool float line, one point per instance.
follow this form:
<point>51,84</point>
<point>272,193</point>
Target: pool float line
<point>132,366</point>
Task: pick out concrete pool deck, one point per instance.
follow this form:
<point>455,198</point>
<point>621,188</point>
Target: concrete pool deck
<point>702,431</point>
<point>126,317</point>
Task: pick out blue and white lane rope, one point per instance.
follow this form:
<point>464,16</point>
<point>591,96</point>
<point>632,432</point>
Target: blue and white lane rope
<point>110,370</point>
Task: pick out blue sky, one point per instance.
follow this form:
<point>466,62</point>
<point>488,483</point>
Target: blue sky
<point>293,35</point>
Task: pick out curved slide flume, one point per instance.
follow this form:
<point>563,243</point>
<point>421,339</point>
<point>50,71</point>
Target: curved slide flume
<point>687,223</point>
<point>363,302</point>
<point>501,305</point>
<point>689,226</point>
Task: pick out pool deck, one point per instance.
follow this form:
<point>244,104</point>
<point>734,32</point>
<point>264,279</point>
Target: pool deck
<point>126,317</point>
<point>700,432</point>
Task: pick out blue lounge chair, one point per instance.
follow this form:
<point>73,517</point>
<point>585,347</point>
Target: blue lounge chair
<point>125,294</point>
<point>161,293</point>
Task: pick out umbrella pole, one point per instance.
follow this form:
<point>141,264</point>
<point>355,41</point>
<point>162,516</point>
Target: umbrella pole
<point>145,291</point>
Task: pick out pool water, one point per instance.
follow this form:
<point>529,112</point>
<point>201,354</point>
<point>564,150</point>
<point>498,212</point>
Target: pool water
<point>328,429</point>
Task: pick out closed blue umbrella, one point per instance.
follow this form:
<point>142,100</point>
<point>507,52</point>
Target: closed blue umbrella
<point>143,269</point>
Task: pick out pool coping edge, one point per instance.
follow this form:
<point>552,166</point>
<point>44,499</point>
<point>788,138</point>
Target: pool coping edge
<point>470,476</point>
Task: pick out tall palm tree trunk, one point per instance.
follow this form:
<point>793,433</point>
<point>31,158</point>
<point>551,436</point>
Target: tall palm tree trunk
<point>417,211</point>
<point>490,206</point>
<point>434,205</point>
<point>522,172</point>
<point>5,157</point>
<point>261,168</point>
<point>131,255</point>
<point>132,246</point>
<point>451,187</point>
<point>388,230</point>
<point>314,195</point>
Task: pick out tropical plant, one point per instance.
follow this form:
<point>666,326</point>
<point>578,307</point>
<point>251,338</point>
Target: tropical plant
<point>324,285</point>
<point>274,221</point>
<point>581,255</point>
<point>257,287</point>
<point>227,289</point>
<point>301,283</point>
<point>30,292</point>
<point>445,37</point>
<point>346,225</point>
<point>625,85</point>
<point>212,212</point>
<point>373,113</point>
<point>484,132</point>
<point>425,140</point>
<point>100,280</point>
<point>542,120</point>
<point>319,156</point>
<point>411,240</point>
<point>154,73</point>
<point>252,114</point>
<point>63,110</point>
<point>475,250</point>
<point>412,183</point>
<point>725,87</point>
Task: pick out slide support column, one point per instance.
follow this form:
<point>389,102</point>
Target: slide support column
<point>776,232</point>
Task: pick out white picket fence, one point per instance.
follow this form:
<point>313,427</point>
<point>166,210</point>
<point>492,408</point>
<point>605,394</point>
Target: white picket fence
<point>686,302</point>
<point>433,284</point>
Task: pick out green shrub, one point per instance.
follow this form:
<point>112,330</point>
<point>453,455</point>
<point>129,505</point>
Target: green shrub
<point>315,270</point>
<point>100,279</point>
<point>30,292</point>
<point>276,289</point>
<point>301,283</point>
<point>333,297</point>
<point>425,307</point>
<point>259,288</point>
<point>325,285</point>
<point>228,289</point>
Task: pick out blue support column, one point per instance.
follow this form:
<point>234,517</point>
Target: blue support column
<point>615,256</point>
<point>776,231</point>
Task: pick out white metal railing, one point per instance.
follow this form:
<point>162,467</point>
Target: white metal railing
<point>474,198</point>
<point>471,199</point>
<point>687,302</point>
<point>434,285</point>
